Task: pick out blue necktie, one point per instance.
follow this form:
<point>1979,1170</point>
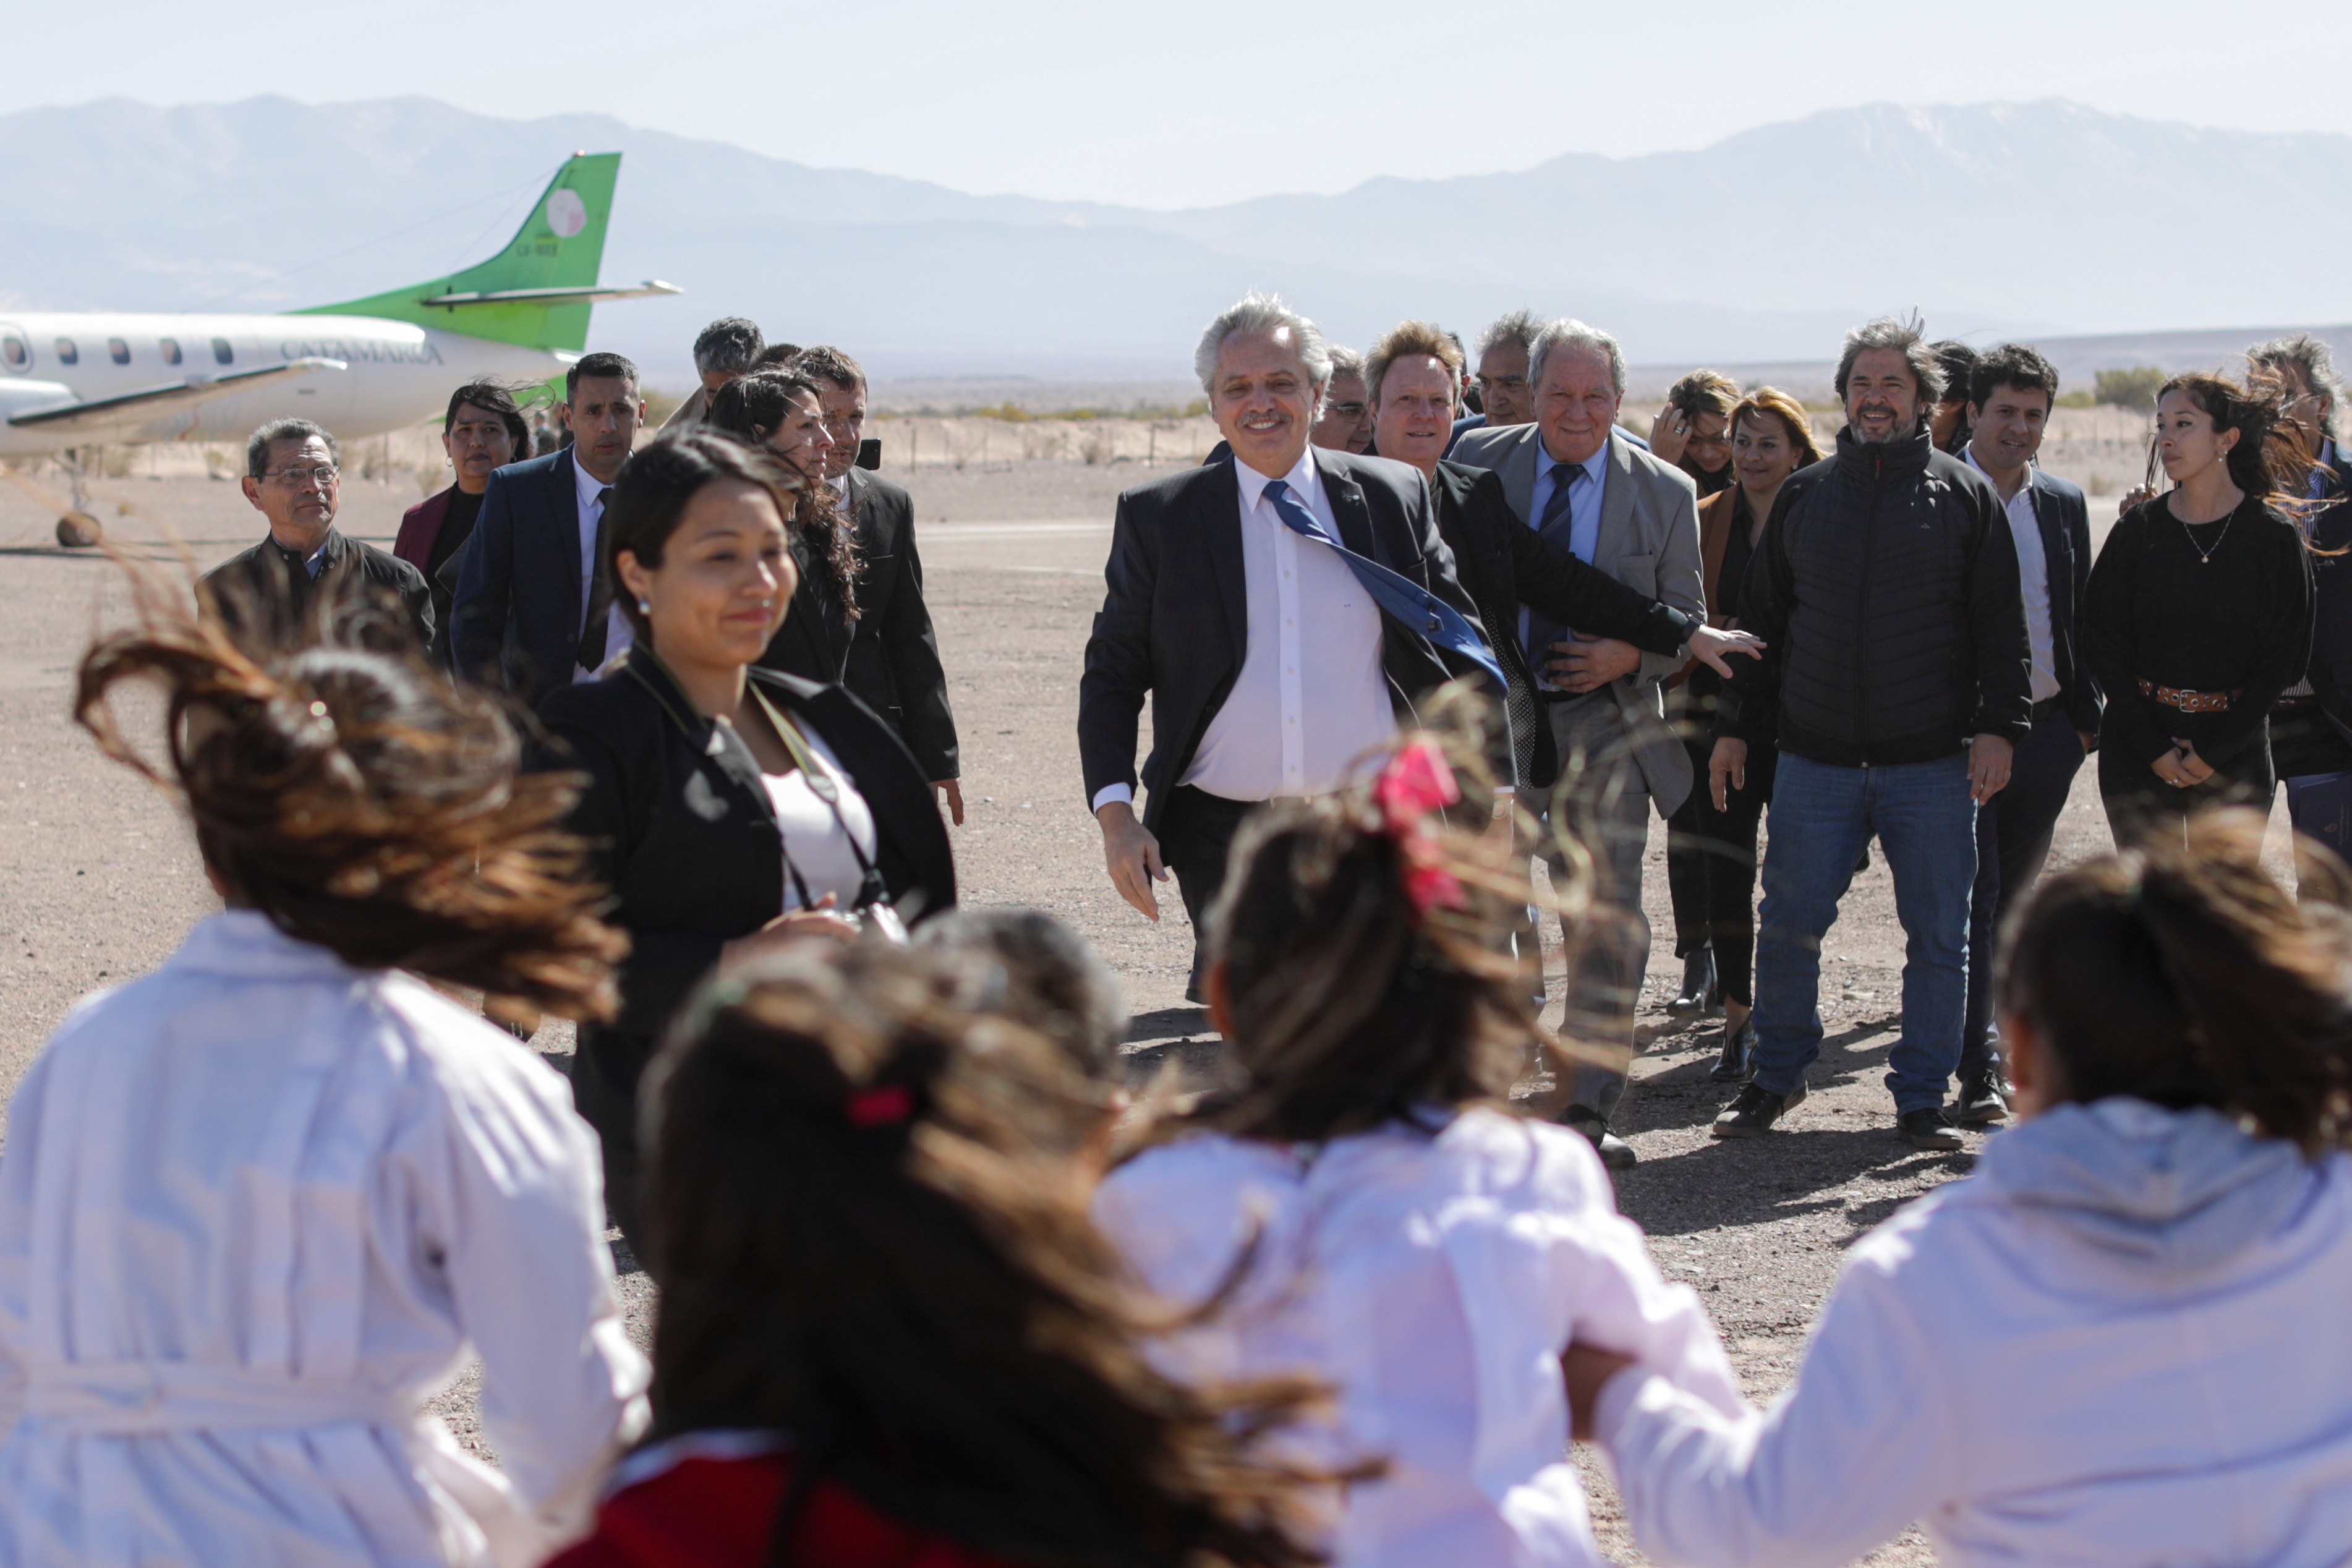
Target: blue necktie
<point>1557,529</point>
<point>1400,596</point>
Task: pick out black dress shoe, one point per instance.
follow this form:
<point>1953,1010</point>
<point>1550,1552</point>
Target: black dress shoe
<point>1615,1153</point>
<point>1699,992</point>
<point>1929,1129</point>
<point>1984,1100</point>
<point>1737,1063</point>
<point>1754,1113</point>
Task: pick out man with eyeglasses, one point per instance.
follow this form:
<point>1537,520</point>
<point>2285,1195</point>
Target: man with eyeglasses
<point>1504,397</point>
<point>266,594</point>
<point>1345,424</point>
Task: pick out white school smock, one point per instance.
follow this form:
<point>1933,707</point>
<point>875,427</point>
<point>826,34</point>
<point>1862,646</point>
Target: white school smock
<point>1432,1280</point>
<point>255,1207</point>
<point>2125,1340</point>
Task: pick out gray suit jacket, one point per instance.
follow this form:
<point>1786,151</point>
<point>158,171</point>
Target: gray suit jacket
<point>1649,541</point>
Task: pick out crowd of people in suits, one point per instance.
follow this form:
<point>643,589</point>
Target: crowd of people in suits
<point>652,733</point>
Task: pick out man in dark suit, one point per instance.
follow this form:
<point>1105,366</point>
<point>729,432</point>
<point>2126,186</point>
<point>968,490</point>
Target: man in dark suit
<point>1270,663</point>
<point>2009,397</point>
<point>293,477</point>
<point>534,605</point>
<point>894,655</point>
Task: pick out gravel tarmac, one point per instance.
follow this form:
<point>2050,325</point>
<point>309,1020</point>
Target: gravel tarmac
<point>102,882</point>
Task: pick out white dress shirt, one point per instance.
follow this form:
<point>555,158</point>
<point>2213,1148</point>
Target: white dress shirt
<point>255,1207</point>
<point>1583,527</point>
<point>1311,698</point>
<point>1432,1278</point>
<point>2033,577</point>
<point>618,633</point>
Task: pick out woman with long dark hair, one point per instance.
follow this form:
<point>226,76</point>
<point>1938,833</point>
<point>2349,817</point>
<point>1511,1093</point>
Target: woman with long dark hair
<point>2120,1339</point>
<point>1711,841</point>
<point>890,1334</point>
<point>777,411</point>
<point>1363,1202</point>
<point>2197,614</point>
<point>728,804</point>
<point>257,1204</point>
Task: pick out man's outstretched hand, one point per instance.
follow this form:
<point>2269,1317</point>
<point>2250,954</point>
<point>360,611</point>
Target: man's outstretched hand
<point>1712,648</point>
<point>1132,855</point>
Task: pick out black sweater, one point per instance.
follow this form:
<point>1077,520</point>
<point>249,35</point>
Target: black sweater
<point>2240,623</point>
<point>1885,590</point>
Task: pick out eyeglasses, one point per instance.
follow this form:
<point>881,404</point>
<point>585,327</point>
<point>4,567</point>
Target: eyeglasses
<point>323,477</point>
<point>1501,382</point>
<point>1344,410</point>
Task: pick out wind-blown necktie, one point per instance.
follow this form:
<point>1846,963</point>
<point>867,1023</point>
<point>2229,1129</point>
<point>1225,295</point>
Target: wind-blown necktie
<point>1400,596</point>
<point>1557,529</point>
<point>599,622</point>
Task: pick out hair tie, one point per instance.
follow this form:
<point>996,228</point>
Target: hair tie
<point>1415,780</point>
<point>883,1105</point>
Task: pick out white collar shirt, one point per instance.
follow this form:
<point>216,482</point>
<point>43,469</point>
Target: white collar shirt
<point>2033,579</point>
<point>618,635</point>
<point>1311,696</point>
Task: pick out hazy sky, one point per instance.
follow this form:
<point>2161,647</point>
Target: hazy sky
<point>1171,105</point>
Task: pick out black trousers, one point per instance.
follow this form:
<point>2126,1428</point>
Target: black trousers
<point>1719,865</point>
<point>1687,852</point>
<point>604,1074</point>
<point>1196,837</point>
<point>2013,832</point>
<point>2139,804</point>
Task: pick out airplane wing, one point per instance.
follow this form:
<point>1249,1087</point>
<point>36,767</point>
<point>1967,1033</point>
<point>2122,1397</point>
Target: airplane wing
<point>584,294</point>
<point>138,407</point>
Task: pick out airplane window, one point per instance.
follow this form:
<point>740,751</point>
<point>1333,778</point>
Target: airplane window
<point>16,353</point>
<point>67,352</point>
<point>118,350</point>
<point>222,352</point>
<point>170,347</point>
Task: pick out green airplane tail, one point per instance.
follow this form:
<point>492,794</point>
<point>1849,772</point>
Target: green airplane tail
<point>555,254</point>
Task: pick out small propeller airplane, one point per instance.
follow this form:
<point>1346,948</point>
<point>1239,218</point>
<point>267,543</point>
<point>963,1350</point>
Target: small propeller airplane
<point>69,382</point>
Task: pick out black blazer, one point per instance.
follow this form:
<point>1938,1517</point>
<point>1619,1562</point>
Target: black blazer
<point>514,622</point>
<point>2330,671</point>
<point>894,657</point>
<point>684,834</point>
<point>1175,617</point>
<point>263,593</point>
<point>2064,517</point>
<point>1504,563</point>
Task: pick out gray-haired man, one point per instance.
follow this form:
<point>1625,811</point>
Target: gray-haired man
<point>1895,680</point>
<point>724,350</point>
<point>1577,479</point>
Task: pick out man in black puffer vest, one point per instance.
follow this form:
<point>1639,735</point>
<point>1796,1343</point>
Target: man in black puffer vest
<point>1896,682</point>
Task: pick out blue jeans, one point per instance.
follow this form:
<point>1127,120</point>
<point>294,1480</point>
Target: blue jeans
<point>1821,819</point>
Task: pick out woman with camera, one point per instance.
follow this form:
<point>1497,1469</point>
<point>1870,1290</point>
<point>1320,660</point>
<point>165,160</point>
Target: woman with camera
<point>731,807</point>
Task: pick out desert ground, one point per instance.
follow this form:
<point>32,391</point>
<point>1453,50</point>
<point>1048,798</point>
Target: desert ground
<point>103,883</point>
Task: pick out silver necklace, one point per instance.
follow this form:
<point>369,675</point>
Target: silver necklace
<point>2205,556</point>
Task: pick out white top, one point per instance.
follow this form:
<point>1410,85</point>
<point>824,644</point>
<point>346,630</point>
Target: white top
<point>2122,1340</point>
<point>1310,697</point>
<point>618,634</point>
<point>2033,577</point>
<point>253,1208</point>
<point>1433,1281</point>
<point>814,843</point>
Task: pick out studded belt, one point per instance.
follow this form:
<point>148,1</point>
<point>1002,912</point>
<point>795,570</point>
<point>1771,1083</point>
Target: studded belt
<point>2190,701</point>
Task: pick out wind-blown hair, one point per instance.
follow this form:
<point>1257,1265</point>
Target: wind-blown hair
<point>1263,313</point>
<point>2182,974</point>
<point>2313,363</point>
<point>729,344</point>
<point>1908,338</point>
<point>492,397</point>
<point>1519,327</point>
<point>2268,462</point>
<point>358,799</point>
<point>1575,337</point>
<point>864,1238</point>
<point>754,407</point>
<point>1408,340</point>
<point>1705,392</point>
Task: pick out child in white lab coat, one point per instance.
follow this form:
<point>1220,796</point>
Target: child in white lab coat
<point>2122,1340</point>
<point>257,1203</point>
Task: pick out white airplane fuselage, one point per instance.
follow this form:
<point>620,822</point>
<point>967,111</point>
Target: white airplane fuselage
<point>397,375</point>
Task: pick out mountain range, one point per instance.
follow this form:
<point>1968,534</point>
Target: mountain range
<point>1991,219</point>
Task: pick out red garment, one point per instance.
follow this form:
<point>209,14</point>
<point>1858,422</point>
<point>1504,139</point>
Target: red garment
<point>420,526</point>
<point>704,1510</point>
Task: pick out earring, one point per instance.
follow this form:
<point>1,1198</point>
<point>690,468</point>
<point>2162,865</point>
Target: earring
<point>645,607</point>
